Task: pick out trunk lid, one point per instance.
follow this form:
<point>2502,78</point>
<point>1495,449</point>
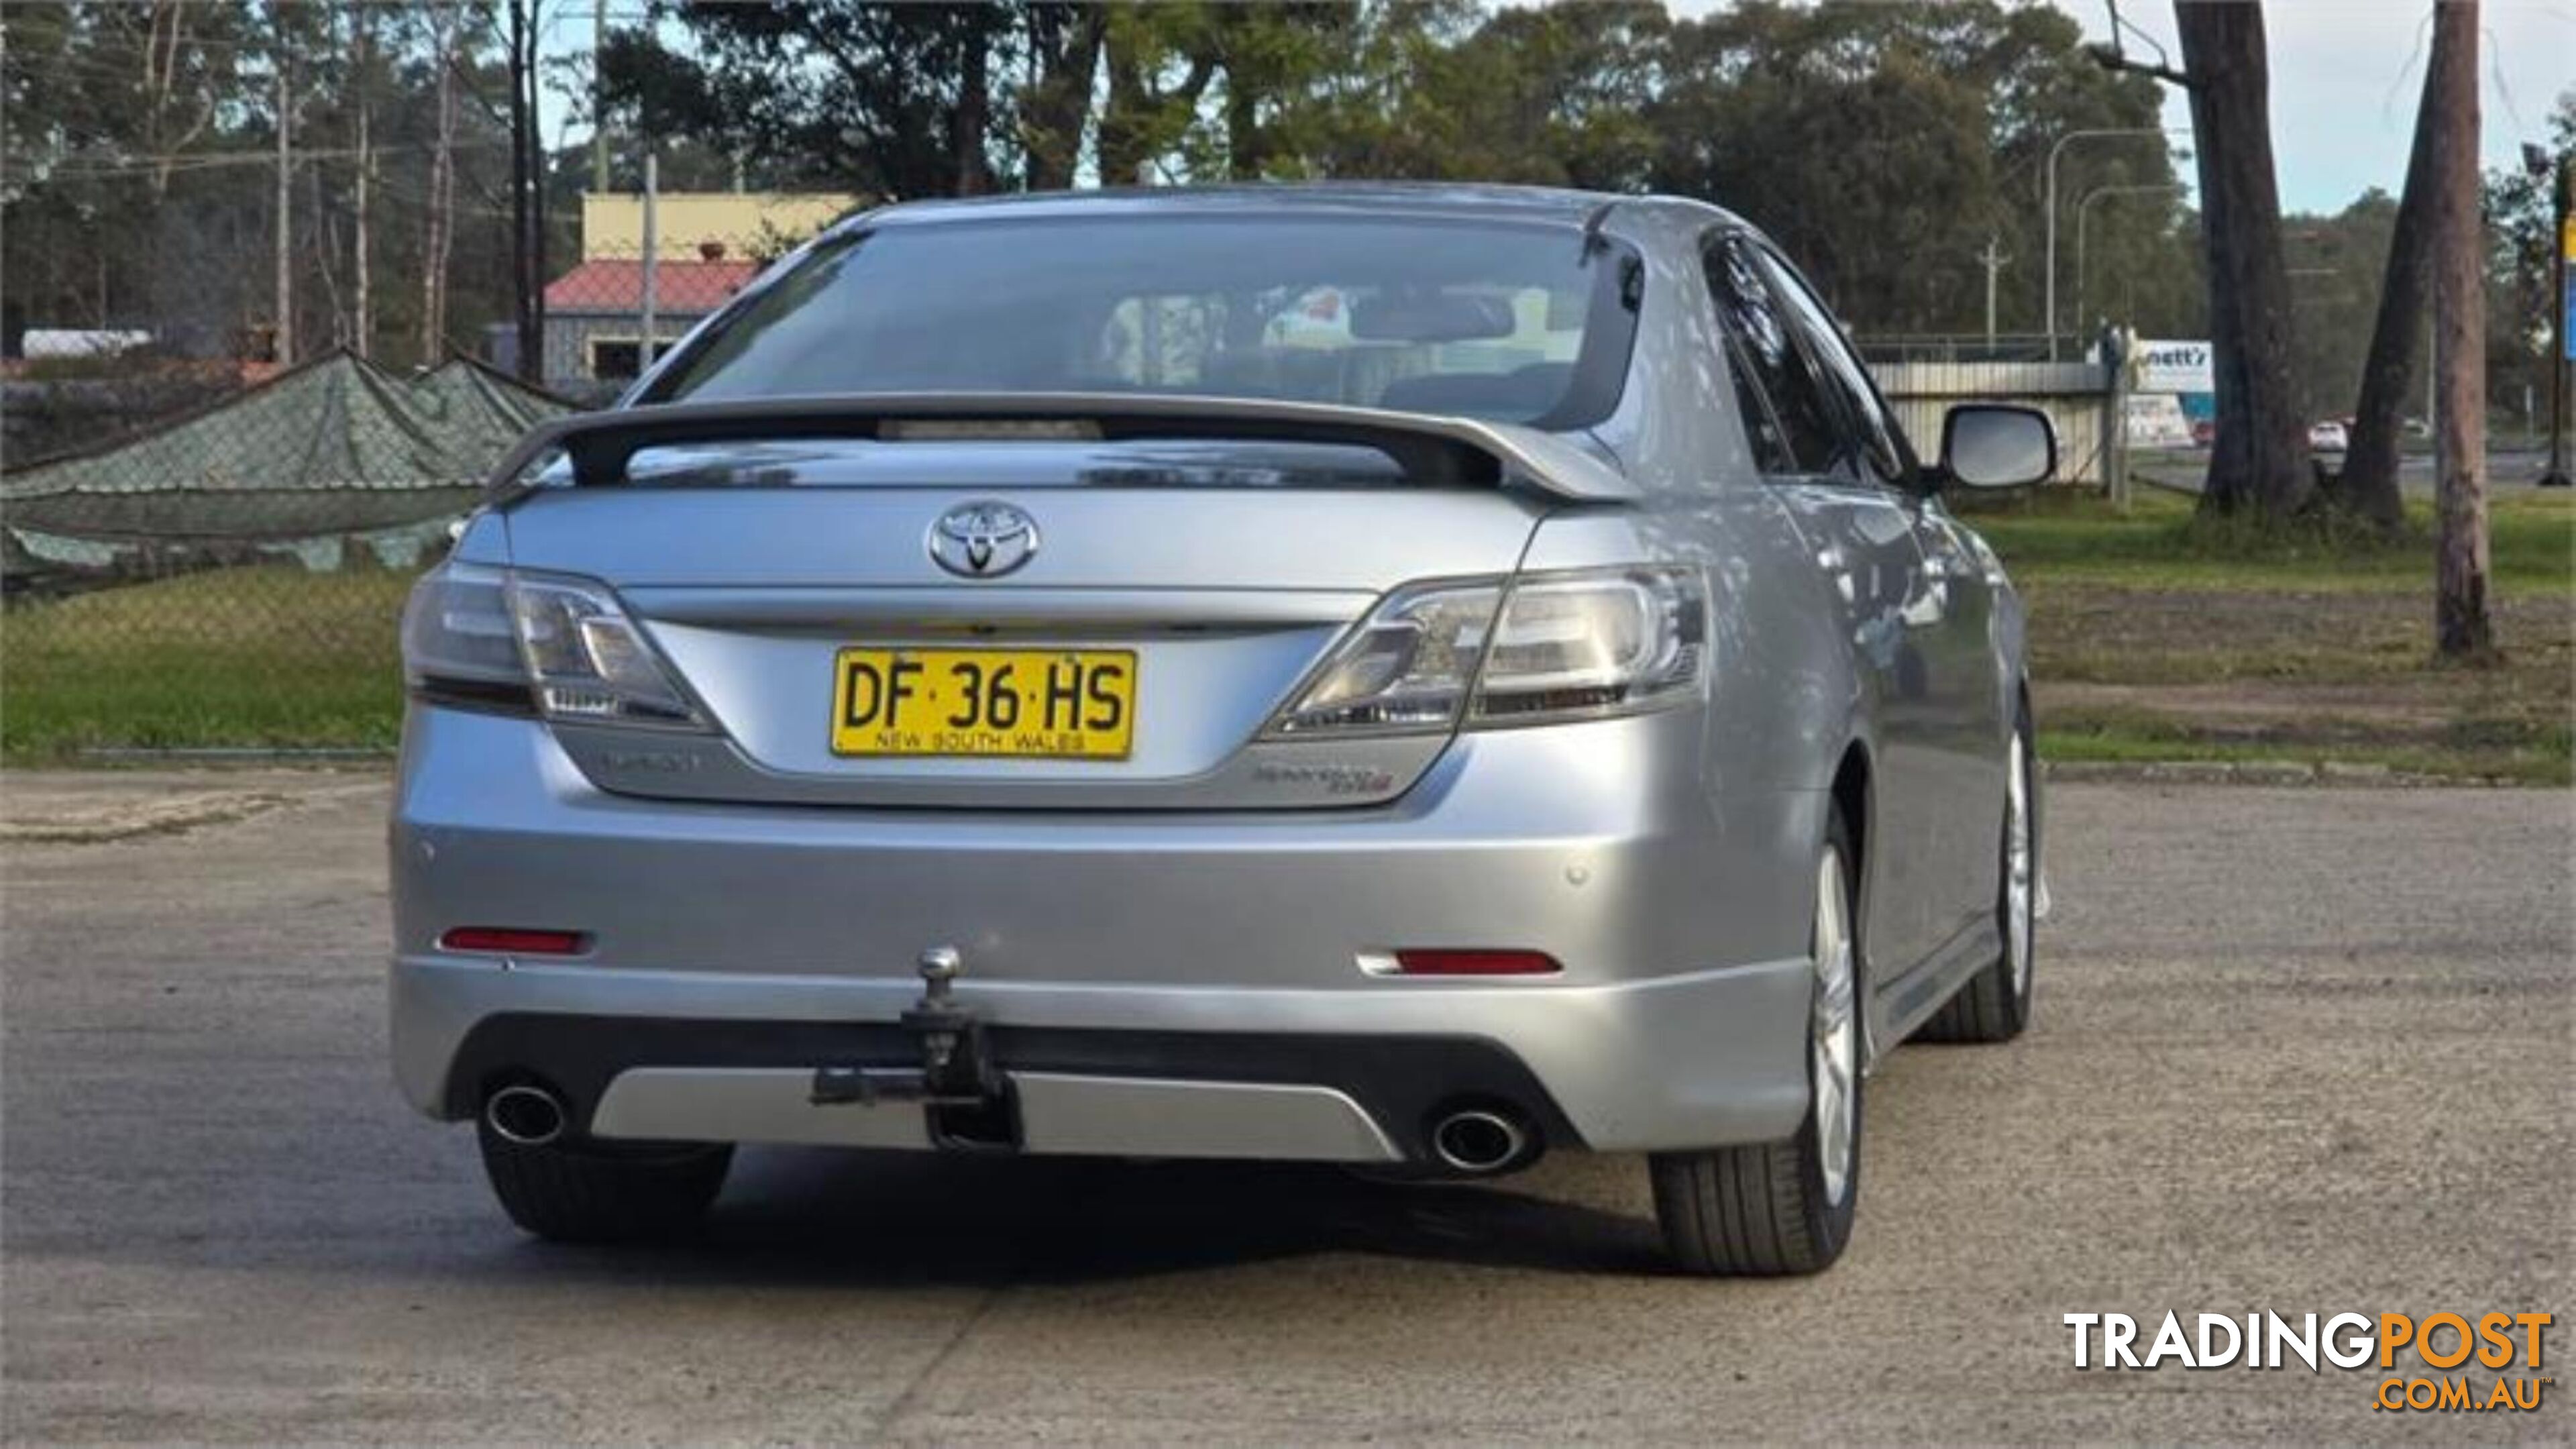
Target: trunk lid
<point>1220,570</point>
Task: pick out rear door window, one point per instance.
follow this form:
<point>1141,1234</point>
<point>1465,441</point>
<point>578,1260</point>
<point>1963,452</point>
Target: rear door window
<point>1882,444</point>
<point>1788,416</point>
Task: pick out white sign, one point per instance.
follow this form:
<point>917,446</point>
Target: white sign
<point>2155,420</point>
<point>2172,367</point>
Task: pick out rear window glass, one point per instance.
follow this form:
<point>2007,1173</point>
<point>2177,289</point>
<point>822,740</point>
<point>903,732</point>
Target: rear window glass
<point>1511,322</point>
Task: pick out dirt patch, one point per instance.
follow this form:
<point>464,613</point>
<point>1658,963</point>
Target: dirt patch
<point>2127,635</point>
<point>2255,706</point>
<point>2324,675</point>
<point>83,807</point>
<point>125,819</point>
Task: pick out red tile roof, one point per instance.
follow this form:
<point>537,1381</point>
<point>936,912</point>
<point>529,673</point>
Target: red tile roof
<point>679,288</point>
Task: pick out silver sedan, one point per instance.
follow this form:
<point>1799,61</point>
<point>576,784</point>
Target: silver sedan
<point>1413,677</point>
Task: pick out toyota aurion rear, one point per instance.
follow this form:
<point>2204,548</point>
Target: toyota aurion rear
<point>1325,676</point>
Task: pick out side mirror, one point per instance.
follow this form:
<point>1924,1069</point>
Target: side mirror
<point>1994,445</point>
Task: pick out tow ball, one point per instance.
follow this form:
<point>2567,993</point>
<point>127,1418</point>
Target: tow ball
<point>968,1098</point>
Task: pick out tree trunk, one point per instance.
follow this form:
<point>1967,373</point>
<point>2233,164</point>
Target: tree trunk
<point>2463,624</point>
<point>364,322</point>
<point>282,350</point>
<point>537,242</point>
<point>973,113</point>
<point>526,283</point>
<point>1140,117</point>
<point>1064,42</point>
<point>2259,461</point>
<point>2370,460</point>
<point>1244,149</point>
<point>442,196</point>
<point>326,245</point>
<point>1124,125</point>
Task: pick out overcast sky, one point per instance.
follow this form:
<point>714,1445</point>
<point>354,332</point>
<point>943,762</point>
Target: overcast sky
<point>2346,75</point>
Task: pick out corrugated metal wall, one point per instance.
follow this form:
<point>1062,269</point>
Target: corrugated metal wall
<point>2075,395</point>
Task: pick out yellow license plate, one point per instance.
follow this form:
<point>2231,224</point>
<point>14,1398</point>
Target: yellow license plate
<point>1050,703</point>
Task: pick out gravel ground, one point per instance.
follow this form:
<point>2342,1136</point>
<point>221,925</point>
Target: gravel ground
<point>2298,1050</point>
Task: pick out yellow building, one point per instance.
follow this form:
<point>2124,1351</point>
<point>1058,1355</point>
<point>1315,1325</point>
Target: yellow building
<point>707,246</point>
<point>685,222</point>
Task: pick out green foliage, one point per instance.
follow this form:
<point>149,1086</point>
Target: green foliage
<point>2519,299</point>
<point>1883,145</point>
<point>139,186</point>
<point>864,97</point>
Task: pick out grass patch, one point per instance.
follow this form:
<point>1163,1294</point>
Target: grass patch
<point>2162,541</point>
<point>266,656</point>
<point>2154,635</point>
<point>2543,760</point>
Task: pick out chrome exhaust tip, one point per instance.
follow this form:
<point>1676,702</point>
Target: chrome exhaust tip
<point>1479,1141</point>
<point>524,1115</point>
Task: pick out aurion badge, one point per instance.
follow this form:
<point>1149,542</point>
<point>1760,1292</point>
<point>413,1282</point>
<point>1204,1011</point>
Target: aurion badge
<point>983,540</point>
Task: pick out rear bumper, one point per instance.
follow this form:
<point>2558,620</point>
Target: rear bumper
<point>736,949</point>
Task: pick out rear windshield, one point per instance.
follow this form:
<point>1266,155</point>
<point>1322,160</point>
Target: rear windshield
<point>1505,321</point>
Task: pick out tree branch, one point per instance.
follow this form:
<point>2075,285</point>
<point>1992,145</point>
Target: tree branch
<point>2106,54</point>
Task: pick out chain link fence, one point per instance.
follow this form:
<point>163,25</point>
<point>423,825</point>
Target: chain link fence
<point>230,575</point>
<point>203,550</point>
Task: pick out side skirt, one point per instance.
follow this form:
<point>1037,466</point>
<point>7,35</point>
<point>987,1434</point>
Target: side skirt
<point>1903,1004</point>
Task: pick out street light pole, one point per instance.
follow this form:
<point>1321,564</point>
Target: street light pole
<point>2083,209</point>
<point>1994,259</point>
<point>2054,150</point>
<point>2560,240</point>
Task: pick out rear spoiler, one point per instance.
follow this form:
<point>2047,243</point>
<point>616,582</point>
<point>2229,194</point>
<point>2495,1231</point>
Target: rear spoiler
<point>1428,448</point>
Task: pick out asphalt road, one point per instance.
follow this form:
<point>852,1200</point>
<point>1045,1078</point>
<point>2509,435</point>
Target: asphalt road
<point>2299,1050</point>
<point>2512,467</point>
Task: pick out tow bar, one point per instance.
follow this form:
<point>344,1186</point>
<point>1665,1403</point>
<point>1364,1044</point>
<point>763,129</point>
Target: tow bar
<point>968,1101</point>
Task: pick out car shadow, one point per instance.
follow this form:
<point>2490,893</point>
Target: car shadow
<point>905,1219</point>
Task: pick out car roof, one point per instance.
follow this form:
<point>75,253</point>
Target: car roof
<point>1521,203</point>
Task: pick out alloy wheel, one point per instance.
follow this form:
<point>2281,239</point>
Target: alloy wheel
<point>2020,869</point>
<point>1835,1035</point>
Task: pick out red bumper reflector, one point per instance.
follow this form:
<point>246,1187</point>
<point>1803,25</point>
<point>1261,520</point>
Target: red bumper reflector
<point>513,942</point>
<point>1476,963</point>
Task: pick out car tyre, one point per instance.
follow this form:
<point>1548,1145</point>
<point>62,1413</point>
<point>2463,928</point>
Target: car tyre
<point>1994,1004</point>
<point>569,1195</point>
<point>1779,1208</point>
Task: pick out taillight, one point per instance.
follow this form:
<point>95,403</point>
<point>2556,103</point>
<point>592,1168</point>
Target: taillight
<point>1594,643</point>
<point>513,941</point>
<point>1542,648</point>
<point>562,646</point>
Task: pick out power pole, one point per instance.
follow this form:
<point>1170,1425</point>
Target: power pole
<point>1994,259</point>
<point>2463,618</point>
<point>652,270</point>
<point>527,182</point>
<point>598,97</point>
